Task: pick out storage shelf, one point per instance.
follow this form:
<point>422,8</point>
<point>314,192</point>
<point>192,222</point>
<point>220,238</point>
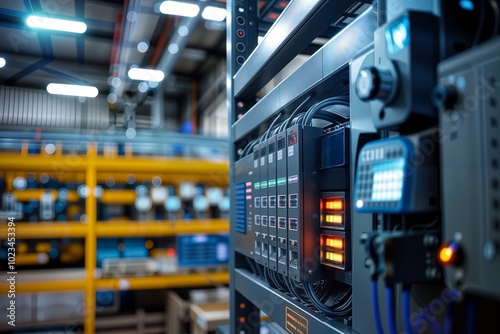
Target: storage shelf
<point>115,229</point>
<point>160,228</point>
<point>46,286</point>
<point>178,166</point>
<point>29,194</point>
<point>122,196</point>
<point>43,163</point>
<point>162,282</point>
<point>5,328</point>
<point>92,169</point>
<point>123,283</point>
<point>104,324</point>
<point>154,143</point>
<point>130,165</point>
<point>45,230</point>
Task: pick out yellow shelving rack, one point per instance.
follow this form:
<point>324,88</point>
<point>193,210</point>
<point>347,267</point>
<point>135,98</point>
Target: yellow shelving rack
<point>92,169</point>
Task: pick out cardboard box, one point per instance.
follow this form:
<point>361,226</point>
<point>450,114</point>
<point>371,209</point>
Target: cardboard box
<point>178,303</point>
<point>205,318</point>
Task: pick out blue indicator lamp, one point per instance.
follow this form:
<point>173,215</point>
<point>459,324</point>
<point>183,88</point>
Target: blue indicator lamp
<point>397,35</point>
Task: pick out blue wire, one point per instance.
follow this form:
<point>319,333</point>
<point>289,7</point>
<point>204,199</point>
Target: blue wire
<point>432,320</point>
<point>471,313</point>
<point>376,309</point>
<point>449,318</point>
<point>450,307</point>
<point>406,311</point>
<point>391,319</point>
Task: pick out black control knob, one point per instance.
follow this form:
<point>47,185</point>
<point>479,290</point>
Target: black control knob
<point>445,96</point>
<point>374,84</point>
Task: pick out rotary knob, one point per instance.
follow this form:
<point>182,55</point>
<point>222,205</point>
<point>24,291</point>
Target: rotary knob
<point>445,96</point>
<point>374,84</point>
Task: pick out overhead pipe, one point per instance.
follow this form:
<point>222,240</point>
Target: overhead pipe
<point>166,63</point>
<point>118,68</point>
<point>161,42</point>
<point>117,36</point>
<point>169,58</point>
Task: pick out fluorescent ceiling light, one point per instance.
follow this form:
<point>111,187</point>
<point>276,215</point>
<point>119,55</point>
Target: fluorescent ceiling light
<point>144,74</point>
<point>179,8</point>
<point>56,24</point>
<point>2,62</point>
<point>72,90</point>
<point>214,13</point>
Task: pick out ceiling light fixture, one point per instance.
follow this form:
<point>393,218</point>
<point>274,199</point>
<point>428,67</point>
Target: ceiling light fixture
<point>179,8</point>
<point>72,90</point>
<point>144,74</point>
<point>143,46</point>
<point>56,24</point>
<point>2,62</point>
<point>214,13</point>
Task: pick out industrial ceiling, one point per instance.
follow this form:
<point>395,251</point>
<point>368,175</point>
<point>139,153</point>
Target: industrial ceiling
<point>121,34</point>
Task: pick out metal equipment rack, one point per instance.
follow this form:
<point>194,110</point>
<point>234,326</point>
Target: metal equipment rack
<point>326,71</point>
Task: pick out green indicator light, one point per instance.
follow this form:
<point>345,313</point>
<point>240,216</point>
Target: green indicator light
<point>281,181</point>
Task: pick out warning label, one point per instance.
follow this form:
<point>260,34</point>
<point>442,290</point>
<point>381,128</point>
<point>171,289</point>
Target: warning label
<point>295,323</point>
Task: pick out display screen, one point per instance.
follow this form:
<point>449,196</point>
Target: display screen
<point>388,180</point>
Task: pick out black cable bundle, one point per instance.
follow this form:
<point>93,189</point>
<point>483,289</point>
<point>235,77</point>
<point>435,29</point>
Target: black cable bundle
<point>342,301</point>
<point>316,110</point>
<point>304,118</point>
<point>278,279</point>
<point>295,112</point>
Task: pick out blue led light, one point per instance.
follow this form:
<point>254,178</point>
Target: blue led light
<point>466,5</point>
<point>397,35</point>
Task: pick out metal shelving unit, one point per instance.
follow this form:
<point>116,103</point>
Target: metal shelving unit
<point>325,72</point>
<point>56,230</point>
<point>92,168</point>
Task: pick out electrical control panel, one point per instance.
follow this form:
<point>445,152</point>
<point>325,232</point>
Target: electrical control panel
<point>372,166</point>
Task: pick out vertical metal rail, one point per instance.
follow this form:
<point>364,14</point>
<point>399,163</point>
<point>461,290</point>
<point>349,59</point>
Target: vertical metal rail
<point>90,240</point>
<point>245,317</point>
